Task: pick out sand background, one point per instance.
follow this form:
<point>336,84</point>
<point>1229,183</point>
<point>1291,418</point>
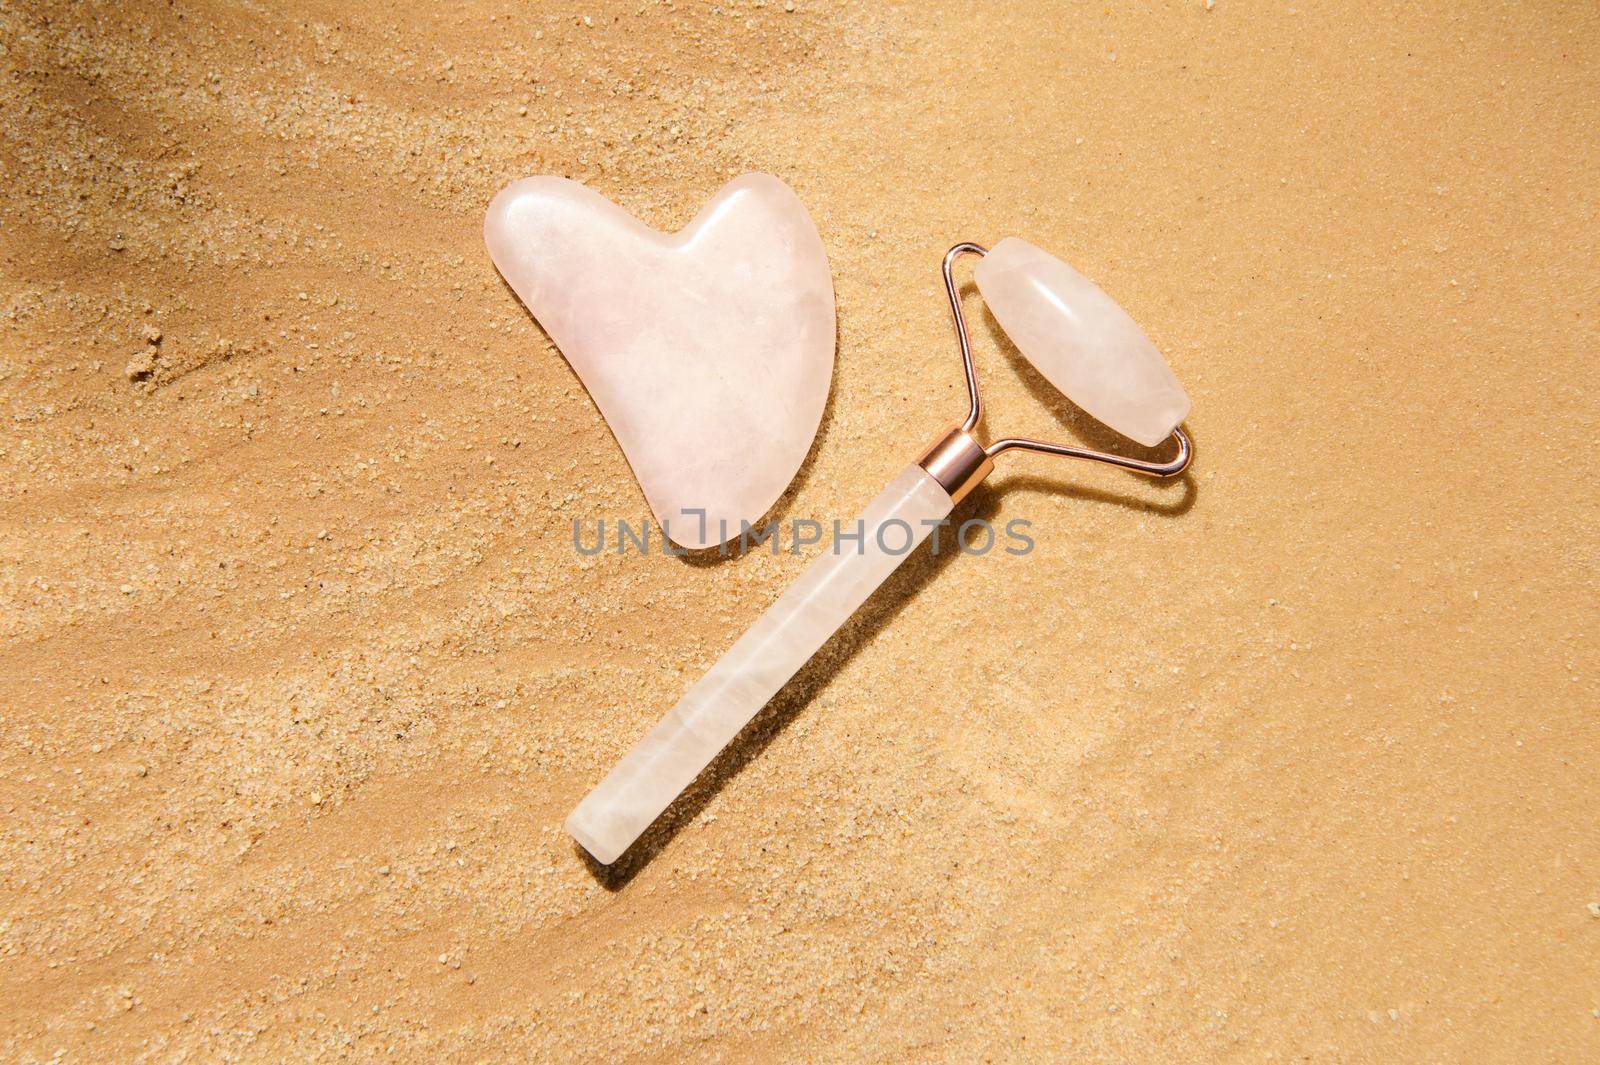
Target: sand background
<point>1295,759</point>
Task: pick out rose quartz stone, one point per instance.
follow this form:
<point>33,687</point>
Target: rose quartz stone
<point>1081,341</point>
<point>709,351</point>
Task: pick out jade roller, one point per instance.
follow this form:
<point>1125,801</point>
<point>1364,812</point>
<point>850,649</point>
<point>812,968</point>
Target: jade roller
<point>1082,342</point>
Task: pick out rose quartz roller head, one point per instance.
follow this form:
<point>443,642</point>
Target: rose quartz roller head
<point>1082,342</point>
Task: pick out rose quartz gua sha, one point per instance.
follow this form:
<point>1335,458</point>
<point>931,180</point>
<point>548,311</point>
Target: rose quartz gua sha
<point>1082,342</point>
<point>708,351</point>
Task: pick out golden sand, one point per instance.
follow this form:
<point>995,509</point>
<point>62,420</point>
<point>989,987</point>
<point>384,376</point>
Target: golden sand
<point>1297,759</point>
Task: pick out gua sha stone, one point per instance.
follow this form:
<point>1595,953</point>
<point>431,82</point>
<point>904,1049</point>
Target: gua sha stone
<point>1081,341</point>
<point>709,351</point>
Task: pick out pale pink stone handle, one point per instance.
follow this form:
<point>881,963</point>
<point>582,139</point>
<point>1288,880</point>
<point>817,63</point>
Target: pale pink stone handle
<point>750,673</point>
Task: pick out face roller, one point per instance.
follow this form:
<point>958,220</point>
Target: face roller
<point>1082,342</point>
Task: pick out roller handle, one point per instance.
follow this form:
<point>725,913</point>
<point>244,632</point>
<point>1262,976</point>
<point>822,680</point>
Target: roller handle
<point>751,672</point>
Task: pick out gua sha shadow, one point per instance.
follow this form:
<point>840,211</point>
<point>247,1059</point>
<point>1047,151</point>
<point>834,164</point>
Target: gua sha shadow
<point>1082,342</point>
<point>709,351</point>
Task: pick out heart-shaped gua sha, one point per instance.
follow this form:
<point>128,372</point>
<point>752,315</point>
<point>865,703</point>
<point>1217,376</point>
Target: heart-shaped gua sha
<point>709,351</point>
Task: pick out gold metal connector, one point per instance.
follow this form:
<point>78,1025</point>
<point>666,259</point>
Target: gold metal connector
<point>957,461</point>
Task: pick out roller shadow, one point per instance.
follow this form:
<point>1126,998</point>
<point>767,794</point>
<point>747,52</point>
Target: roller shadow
<point>878,611</point>
<point>1184,485</point>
